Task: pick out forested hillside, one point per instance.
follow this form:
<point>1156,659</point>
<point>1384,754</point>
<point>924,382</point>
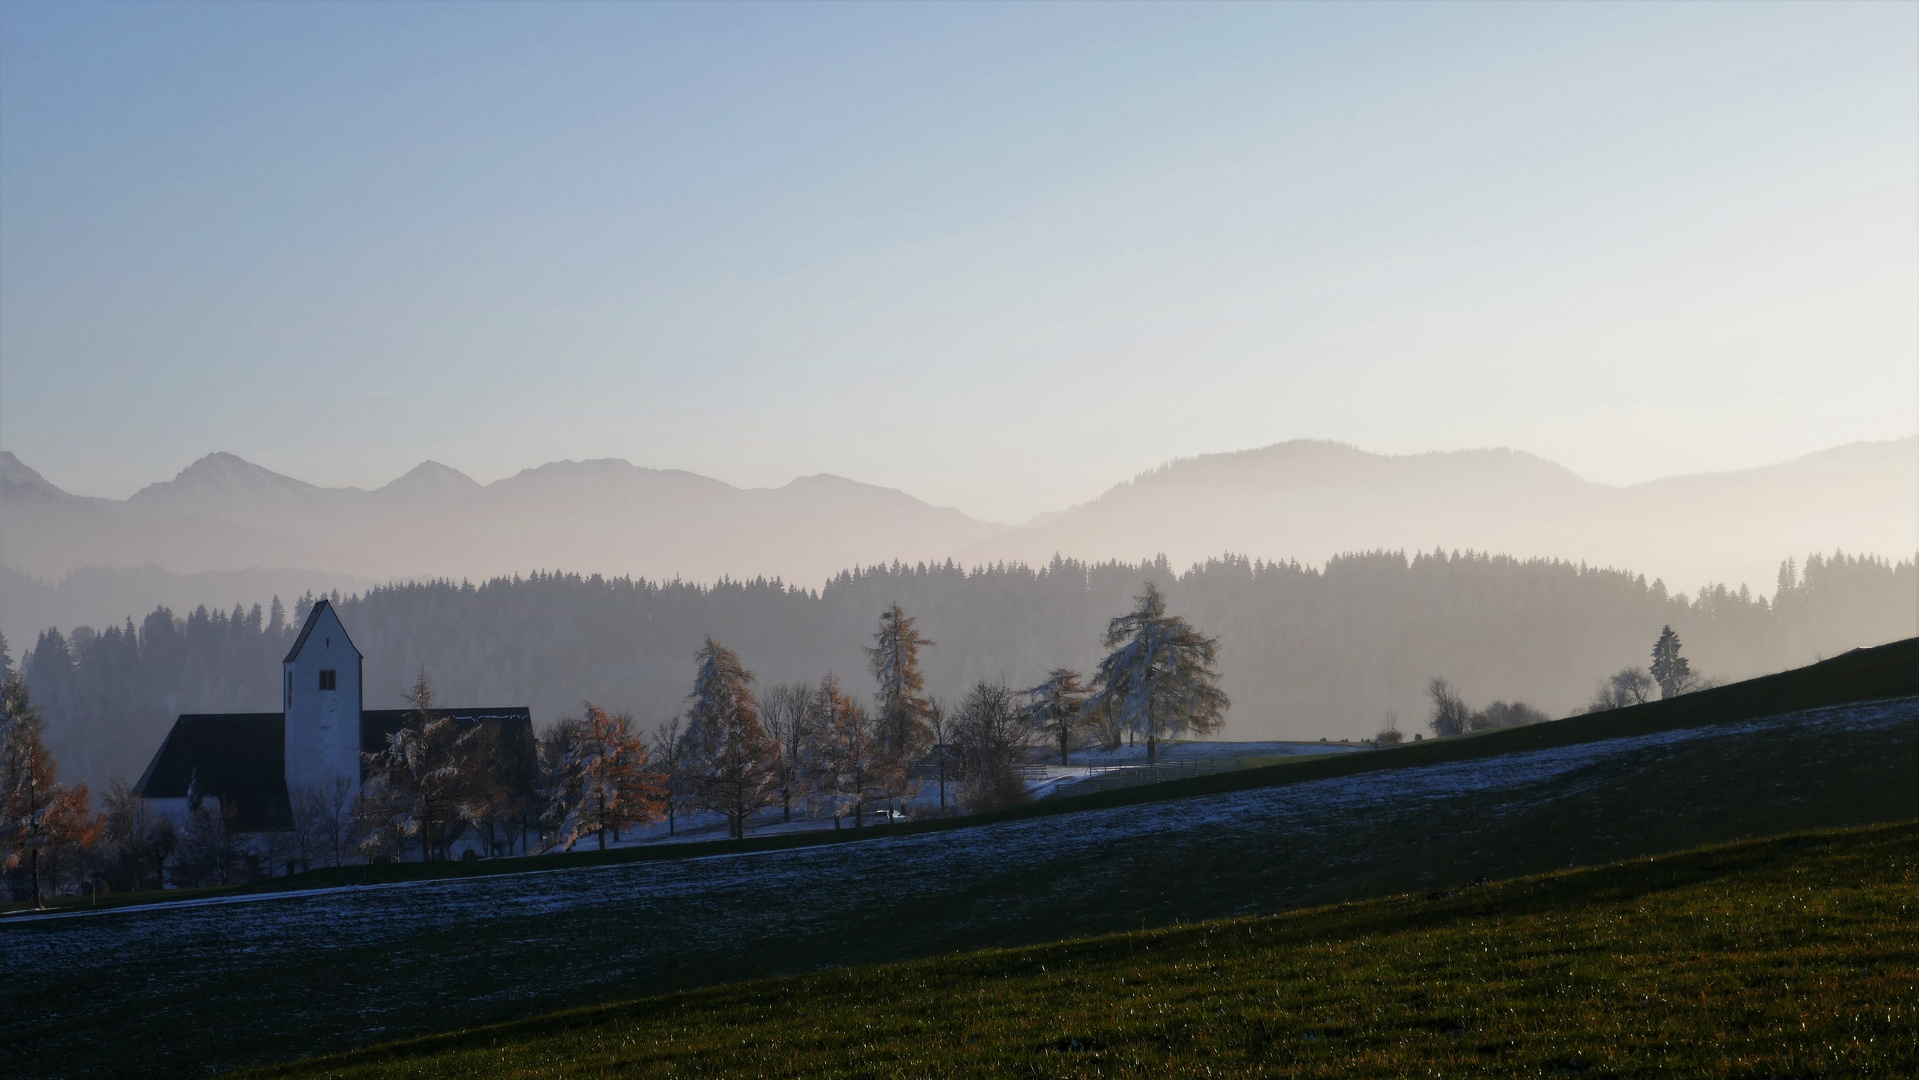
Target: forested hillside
<point>1306,651</point>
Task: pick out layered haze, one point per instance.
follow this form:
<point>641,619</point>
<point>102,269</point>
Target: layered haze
<point>225,530</point>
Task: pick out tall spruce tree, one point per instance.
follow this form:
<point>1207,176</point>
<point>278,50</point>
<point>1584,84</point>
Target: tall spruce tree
<point>734,763</point>
<point>1161,677</point>
<point>1670,670</point>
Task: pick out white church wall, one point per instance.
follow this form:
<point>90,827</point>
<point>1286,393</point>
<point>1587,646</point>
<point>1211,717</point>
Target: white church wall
<point>323,714</point>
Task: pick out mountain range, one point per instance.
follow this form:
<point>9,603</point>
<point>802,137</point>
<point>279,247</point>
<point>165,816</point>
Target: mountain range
<point>1301,500</point>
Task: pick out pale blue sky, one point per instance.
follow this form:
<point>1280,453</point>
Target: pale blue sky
<point>999,256</point>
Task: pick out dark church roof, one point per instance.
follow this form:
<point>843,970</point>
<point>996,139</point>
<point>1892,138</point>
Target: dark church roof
<point>238,757</point>
<point>307,628</point>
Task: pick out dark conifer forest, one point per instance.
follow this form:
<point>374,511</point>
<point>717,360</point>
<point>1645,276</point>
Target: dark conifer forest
<point>1306,652</point>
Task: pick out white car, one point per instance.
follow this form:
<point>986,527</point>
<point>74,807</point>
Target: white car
<point>887,817</point>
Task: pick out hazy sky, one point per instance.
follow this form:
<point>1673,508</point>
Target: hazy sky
<point>998,256</point>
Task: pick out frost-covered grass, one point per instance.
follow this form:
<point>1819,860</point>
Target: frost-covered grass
<point>188,990</point>
<point>1795,956</point>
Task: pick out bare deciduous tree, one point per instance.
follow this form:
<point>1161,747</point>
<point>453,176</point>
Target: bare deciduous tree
<point>1450,711</point>
<point>783,710</point>
<point>991,739</point>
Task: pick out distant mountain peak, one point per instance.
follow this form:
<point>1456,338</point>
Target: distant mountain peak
<point>16,473</point>
<point>224,470</point>
<point>430,481</point>
<point>227,486</point>
<point>20,480</point>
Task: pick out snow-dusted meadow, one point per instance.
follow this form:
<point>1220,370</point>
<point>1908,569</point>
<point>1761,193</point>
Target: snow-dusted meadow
<point>209,986</point>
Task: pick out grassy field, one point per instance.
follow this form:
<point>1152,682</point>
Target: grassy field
<point>194,990</point>
<point>187,989</point>
<point>1793,956</point>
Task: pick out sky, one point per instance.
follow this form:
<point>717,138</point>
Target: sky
<point>998,256</point>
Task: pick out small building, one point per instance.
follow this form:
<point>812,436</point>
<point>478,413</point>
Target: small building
<point>249,765</point>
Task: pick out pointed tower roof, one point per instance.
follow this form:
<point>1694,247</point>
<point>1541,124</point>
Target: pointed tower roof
<point>313,618</point>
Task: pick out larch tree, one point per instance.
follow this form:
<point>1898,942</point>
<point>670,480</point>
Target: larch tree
<point>602,783</point>
<point>1162,676</point>
<point>1670,670</point>
<point>903,716</point>
<point>733,763</point>
<point>40,818</point>
<point>426,784</point>
<point>845,766</point>
<point>1055,709</point>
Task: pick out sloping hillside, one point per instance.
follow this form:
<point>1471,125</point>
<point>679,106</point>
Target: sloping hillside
<point>1793,956</point>
<point>247,977</point>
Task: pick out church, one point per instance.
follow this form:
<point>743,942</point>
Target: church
<point>251,764</point>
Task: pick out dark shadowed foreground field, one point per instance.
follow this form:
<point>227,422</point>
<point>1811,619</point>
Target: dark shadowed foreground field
<point>1792,956</point>
<point>195,989</point>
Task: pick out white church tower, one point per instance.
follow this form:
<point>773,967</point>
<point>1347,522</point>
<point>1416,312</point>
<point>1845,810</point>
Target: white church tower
<point>322,700</point>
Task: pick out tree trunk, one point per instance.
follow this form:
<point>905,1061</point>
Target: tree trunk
<point>601,833</point>
<point>1152,748</point>
<point>35,863</point>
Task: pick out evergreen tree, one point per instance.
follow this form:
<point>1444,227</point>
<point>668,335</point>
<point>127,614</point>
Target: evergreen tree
<point>1054,708</point>
<point>40,818</point>
<point>734,767</point>
<point>1670,670</point>
<point>603,782</point>
<point>1161,677</point>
